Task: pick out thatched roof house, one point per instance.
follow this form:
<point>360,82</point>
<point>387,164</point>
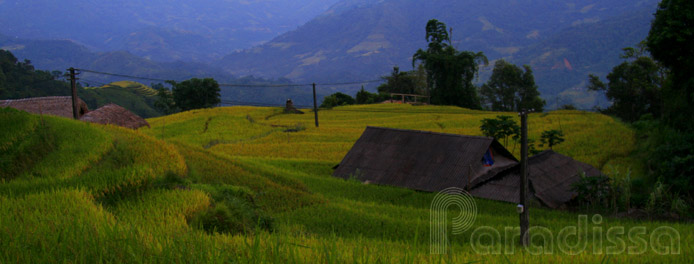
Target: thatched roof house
<point>421,160</point>
<point>550,176</point>
<point>52,105</point>
<point>116,115</point>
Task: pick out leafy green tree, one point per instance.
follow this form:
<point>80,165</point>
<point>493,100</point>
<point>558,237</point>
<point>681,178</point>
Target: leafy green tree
<point>337,99</point>
<point>21,80</point>
<point>511,89</point>
<point>551,138</point>
<point>670,42</point>
<point>196,93</point>
<point>165,102</point>
<point>449,72</point>
<point>400,82</point>
<point>634,87</point>
<point>500,128</point>
<point>365,97</point>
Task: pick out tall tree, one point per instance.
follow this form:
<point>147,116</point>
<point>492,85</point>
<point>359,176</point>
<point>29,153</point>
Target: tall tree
<point>511,88</point>
<point>634,86</point>
<point>671,42</point>
<point>196,93</point>
<point>449,72</point>
<point>165,102</point>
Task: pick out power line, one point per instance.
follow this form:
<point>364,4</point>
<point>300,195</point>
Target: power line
<point>234,85</point>
<point>122,75</point>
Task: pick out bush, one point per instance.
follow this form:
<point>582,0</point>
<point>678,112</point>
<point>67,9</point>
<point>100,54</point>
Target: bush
<point>365,97</point>
<point>233,211</point>
<point>337,99</point>
<point>669,153</point>
<point>662,202</point>
<point>597,192</point>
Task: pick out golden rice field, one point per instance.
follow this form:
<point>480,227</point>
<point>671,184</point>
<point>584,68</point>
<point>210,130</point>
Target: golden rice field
<point>78,192</point>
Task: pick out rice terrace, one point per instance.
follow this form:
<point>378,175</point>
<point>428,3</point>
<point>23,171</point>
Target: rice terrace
<point>347,131</point>
<point>91,193</point>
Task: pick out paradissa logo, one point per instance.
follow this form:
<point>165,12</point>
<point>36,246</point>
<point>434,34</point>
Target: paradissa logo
<point>573,240</point>
<point>584,237</point>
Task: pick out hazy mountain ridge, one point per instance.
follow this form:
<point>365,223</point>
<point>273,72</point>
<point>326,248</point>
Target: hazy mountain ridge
<point>358,41</point>
<point>58,55</point>
<point>162,30</point>
<point>563,61</point>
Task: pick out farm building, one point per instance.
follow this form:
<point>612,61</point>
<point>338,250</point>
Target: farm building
<point>425,161</point>
<point>550,176</point>
<point>52,105</point>
<point>115,115</point>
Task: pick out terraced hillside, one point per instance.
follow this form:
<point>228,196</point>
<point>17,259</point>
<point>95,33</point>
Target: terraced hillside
<point>247,184</point>
<point>134,96</point>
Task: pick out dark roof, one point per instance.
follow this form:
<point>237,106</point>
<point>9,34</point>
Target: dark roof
<point>50,105</point>
<point>116,115</point>
<point>421,160</point>
<point>550,176</point>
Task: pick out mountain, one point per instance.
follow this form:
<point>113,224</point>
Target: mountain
<point>563,61</point>
<point>162,30</point>
<point>59,55</point>
<point>359,40</point>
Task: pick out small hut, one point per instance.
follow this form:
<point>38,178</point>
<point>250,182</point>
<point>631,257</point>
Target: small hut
<point>550,176</point>
<point>421,160</point>
<point>291,109</point>
<point>115,115</point>
<point>51,105</point>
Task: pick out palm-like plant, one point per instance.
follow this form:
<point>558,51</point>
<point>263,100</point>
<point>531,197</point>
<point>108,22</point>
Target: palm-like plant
<point>449,72</point>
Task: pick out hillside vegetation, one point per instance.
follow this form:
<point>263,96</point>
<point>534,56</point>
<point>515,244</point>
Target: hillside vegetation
<point>117,195</point>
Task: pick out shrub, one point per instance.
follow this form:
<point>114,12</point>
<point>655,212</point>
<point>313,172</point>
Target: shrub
<point>233,211</point>
<point>597,192</point>
<point>337,99</point>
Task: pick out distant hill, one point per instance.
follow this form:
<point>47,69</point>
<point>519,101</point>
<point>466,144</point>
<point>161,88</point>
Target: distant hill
<point>59,55</point>
<point>358,40</point>
<point>134,96</point>
<point>162,30</point>
<point>563,61</point>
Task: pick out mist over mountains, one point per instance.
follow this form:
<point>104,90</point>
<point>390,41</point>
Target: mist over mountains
<point>162,30</point>
<point>324,41</point>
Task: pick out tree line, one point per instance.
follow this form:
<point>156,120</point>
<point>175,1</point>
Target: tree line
<point>446,75</point>
<point>653,89</point>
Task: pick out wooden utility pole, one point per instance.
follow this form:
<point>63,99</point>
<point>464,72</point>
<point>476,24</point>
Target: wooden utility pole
<point>523,206</point>
<point>315,104</point>
<point>73,83</point>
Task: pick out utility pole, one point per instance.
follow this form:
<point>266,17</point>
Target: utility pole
<point>315,104</point>
<point>523,205</point>
<point>73,83</point>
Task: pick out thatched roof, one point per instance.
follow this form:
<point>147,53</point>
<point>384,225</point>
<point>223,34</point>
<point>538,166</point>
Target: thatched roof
<point>116,115</point>
<point>550,176</point>
<point>52,105</point>
<point>421,160</point>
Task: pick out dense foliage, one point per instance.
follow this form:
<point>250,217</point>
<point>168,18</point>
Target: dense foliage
<point>412,82</point>
<point>449,72</point>
<point>337,99</point>
<point>195,93</point>
<point>634,87</point>
<point>671,42</point>
<point>511,88</point>
<point>365,97</point>
<point>20,79</point>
